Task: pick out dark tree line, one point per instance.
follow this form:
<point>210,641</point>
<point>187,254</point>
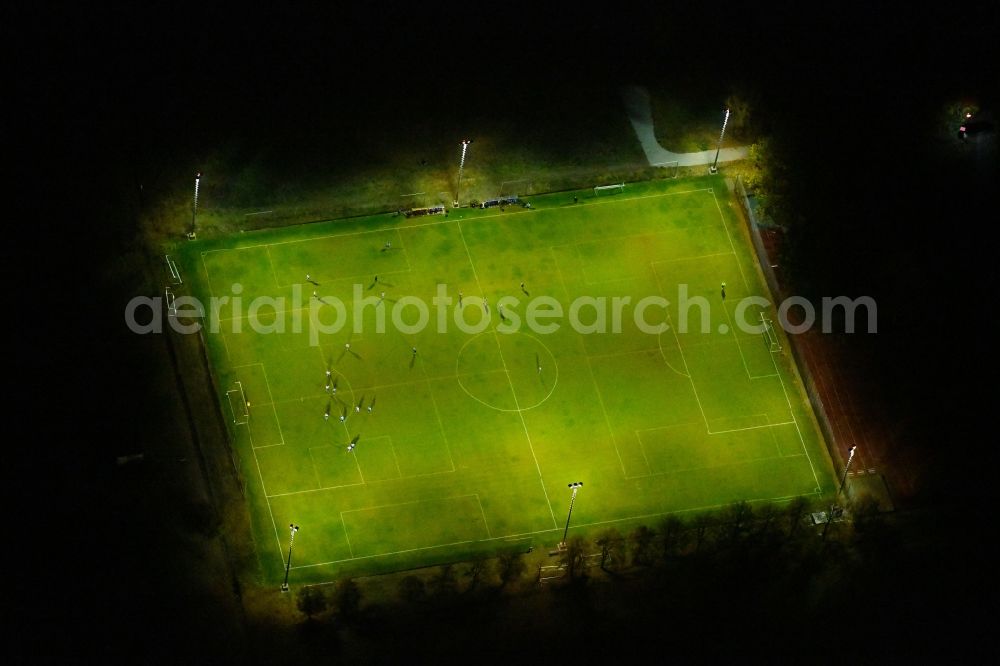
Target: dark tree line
<point>752,568</point>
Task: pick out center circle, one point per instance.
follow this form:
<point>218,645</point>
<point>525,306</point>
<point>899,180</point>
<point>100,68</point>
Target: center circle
<point>507,372</point>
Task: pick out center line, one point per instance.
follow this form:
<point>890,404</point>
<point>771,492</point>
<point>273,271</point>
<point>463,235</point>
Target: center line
<point>520,414</point>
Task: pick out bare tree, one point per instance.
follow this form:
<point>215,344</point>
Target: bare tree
<point>641,542</point>
<point>766,516</point>
<point>311,601</point>
<point>479,569</point>
<point>412,589</point>
<point>701,522</point>
<point>764,527</point>
<point>671,537</point>
<point>795,512</point>
<point>347,599</point>
<point>511,565</point>
<point>737,519</point>
<point>612,545</point>
<point>445,584</point>
<point>574,556</point>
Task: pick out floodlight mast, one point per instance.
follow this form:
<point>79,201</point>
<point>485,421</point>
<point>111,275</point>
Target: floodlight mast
<point>576,487</point>
<point>194,207</point>
<point>843,481</point>
<point>847,467</point>
<point>461,167</point>
<point>288,565</point>
<point>715,165</point>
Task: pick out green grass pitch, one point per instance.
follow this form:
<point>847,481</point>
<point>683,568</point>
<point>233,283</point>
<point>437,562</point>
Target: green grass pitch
<point>469,446</point>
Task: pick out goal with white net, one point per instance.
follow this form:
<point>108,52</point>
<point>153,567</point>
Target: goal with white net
<point>171,302</point>
<point>238,403</point>
<point>608,189</point>
<point>514,188</point>
<point>770,337</point>
<point>669,169</point>
<point>175,273</point>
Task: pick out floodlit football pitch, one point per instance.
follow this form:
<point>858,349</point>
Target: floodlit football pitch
<point>465,441</point>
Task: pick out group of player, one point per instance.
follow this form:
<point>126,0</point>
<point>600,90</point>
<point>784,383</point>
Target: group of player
<point>331,388</point>
<point>331,382</point>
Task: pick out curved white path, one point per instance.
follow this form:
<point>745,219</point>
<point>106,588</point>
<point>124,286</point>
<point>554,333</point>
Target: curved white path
<point>640,114</point>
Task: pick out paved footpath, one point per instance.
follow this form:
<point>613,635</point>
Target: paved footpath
<point>640,114</point>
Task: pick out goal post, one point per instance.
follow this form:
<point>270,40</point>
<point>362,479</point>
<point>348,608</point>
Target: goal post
<point>614,188</point>
<point>238,404</point>
<point>412,199</point>
<point>170,300</point>
<point>409,201</point>
<point>514,188</point>
<point>668,169</point>
<point>770,336</point>
<point>175,274</point>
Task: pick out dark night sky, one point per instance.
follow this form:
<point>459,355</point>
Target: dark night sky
<point>102,93</point>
